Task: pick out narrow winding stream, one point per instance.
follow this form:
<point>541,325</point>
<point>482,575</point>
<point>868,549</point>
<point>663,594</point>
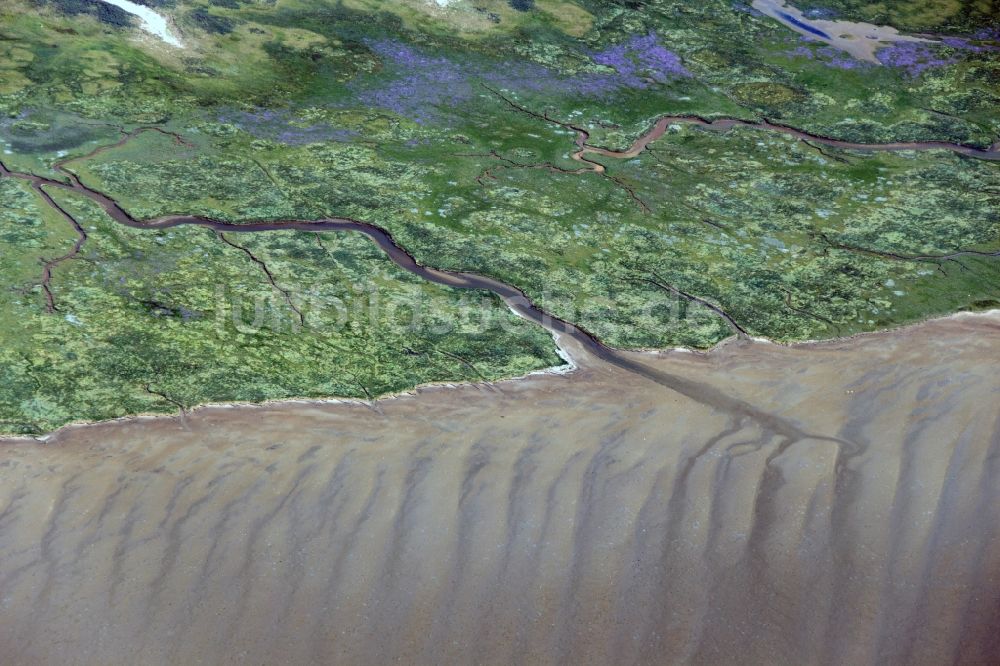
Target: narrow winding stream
<point>516,299</point>
<point>723,124</point>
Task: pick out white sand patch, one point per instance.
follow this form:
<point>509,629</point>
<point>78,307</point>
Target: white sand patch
<point>152,22</point>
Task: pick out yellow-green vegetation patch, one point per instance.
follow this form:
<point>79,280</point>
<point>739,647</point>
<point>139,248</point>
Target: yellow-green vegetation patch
<point>766,93</point>
<point>12,59</point>
<point>568,17</point>
<point>269,181</point>
<point>30,233</point>
<point>473,18</point>
<point>149,321</point>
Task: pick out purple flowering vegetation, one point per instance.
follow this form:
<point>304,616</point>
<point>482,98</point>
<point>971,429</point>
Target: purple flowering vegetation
<point>424,87</point>
<point>966,45</point>
<point>422,84</point>
<point>642,59</point>
<point>992,34</point>
<point>918,57</point>
<point>914,57</point>
<point>277,126</point>
<point>829,56</point>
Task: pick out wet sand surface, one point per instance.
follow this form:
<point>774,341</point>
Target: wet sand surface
<point>593,518</point>
<point>861,40</point>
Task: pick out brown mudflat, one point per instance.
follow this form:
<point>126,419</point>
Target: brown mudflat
<point>836,503</point>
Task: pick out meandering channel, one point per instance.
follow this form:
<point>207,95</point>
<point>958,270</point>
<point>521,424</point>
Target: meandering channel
<point>663,124</point>
<point>514,297</point>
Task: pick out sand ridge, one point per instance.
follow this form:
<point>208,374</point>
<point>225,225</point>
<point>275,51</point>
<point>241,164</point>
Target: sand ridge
<point>590,518</point>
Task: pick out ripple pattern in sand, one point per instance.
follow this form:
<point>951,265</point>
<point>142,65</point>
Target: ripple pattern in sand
<point>588,519</point>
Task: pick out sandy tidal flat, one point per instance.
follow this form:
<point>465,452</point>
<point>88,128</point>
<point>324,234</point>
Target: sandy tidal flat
<point>861,40</point>
<point>847,513</point>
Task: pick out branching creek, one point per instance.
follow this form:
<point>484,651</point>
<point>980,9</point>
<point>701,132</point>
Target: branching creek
<point>737,410</point>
